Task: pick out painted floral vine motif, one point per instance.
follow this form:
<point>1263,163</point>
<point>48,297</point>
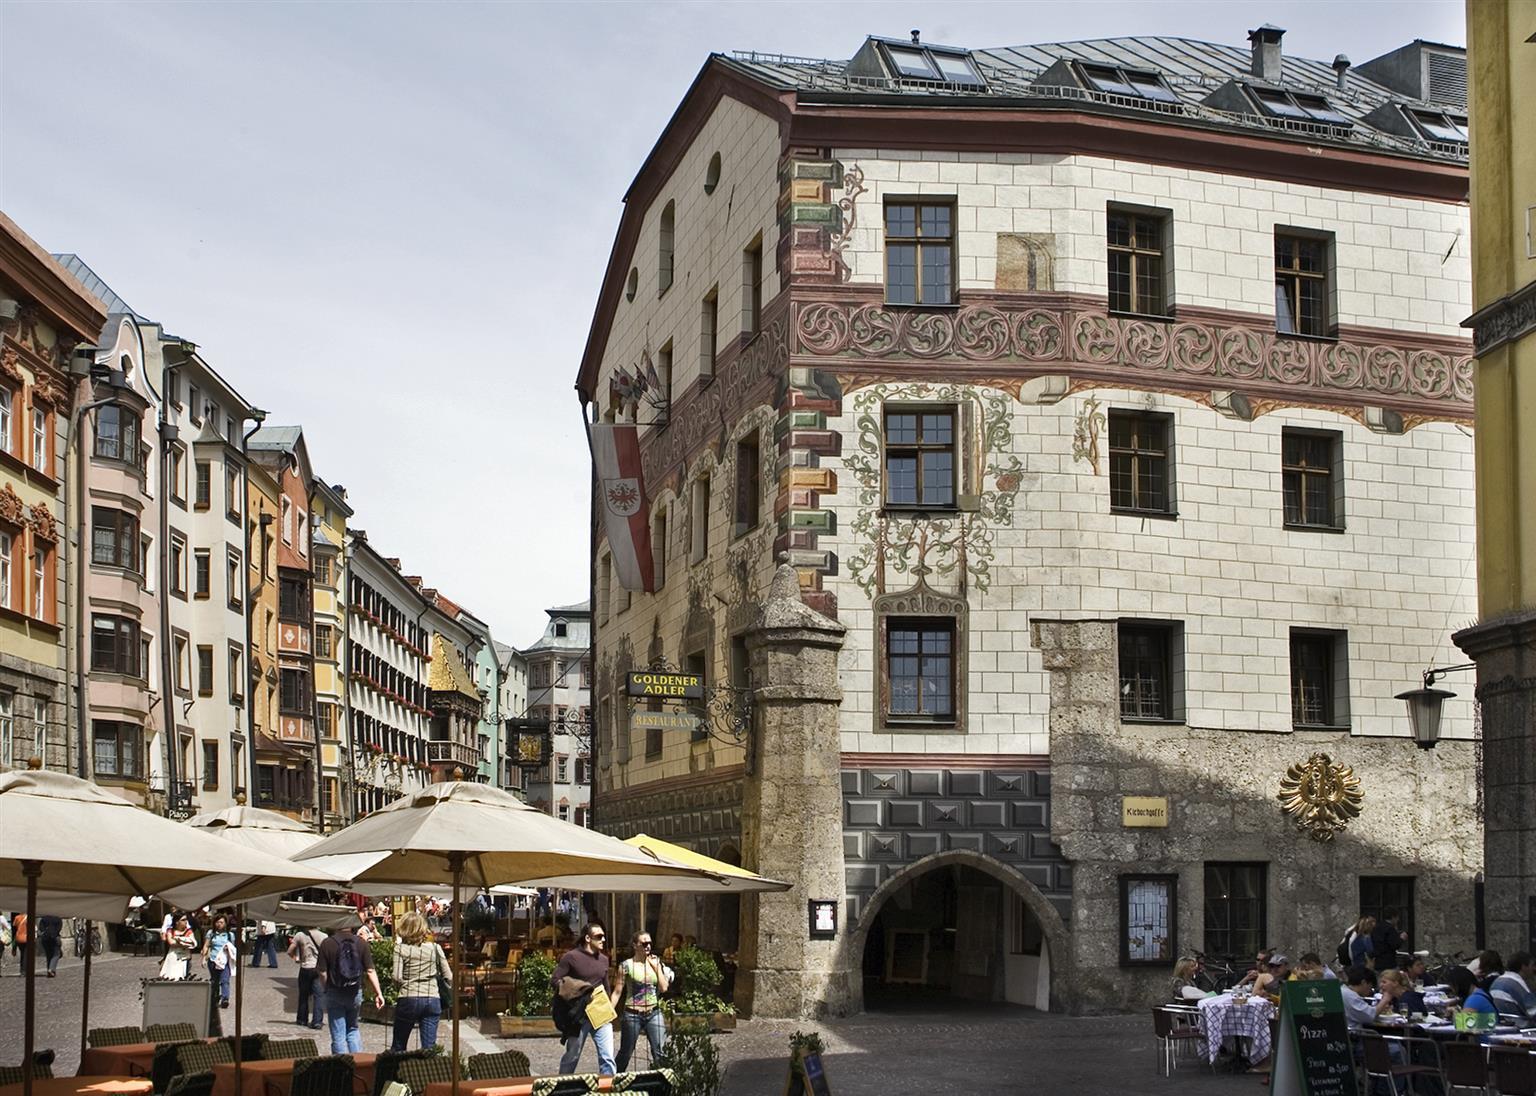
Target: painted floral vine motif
<point>1085,433</point>
<point>958,546</point>
<point>984,333</point>
<point>853,186</point>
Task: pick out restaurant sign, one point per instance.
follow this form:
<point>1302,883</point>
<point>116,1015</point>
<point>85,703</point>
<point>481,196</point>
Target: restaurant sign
<point>667,686</point>
<point>663,721</point>
<point>1144,811</point>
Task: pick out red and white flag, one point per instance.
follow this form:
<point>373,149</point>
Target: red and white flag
<point>621,493</point>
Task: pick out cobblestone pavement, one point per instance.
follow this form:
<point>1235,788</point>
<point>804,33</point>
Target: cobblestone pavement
<point>938,1049</point>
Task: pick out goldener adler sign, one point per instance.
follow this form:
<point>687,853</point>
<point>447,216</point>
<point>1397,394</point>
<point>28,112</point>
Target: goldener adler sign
<point>650,683</point>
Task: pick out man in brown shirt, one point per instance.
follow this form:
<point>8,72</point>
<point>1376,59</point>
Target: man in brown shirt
<point>588,964</point>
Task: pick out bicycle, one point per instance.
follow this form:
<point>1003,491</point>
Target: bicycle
<point>86,935</point>
<point>1215,975</point>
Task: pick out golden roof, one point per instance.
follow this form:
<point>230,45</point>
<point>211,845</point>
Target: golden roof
<point>448,674</point>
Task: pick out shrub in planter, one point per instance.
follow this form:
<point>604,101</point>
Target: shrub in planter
<point>695,1065</point>
<point>534,993</point>
<point>384,963</point>
<point>698,992</point>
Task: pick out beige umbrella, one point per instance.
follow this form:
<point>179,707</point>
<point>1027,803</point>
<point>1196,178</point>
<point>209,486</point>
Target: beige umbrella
<point>68,835</point>
<point>467,834</point>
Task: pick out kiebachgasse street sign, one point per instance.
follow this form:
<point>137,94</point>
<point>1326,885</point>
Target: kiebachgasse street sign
<point>654,684</point>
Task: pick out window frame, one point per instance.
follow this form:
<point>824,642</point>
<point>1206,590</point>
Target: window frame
<point>1137,453</point>
<point>1137,254</point>
<point>1335,665</point>
<point>1334,440</point>
<point>121,731</point>
<point>1171,940</point>
<point>1169,633</point>
<point>176,564</point>
<point>205,675</point>
<point>126,632</point>
<point>1328,323</point>
<point>748,500</point>
<point>917,242</point>
<point>1373,905</point>
<point>917,449</point>
<point>123,522</point>
<point>126,447</point>
<point>8,399</point>
<point>202,491</point>
<point>210,764</point>
<point>666,248</point>
<point>923,625</point>
<point>752,278</point>
<point>1261,901</point>
<point>202,574</point>
<point>40,430</point>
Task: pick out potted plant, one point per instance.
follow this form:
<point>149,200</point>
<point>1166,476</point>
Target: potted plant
<point>534,996</point>
<point>695,1065</point>
<point>384,963</point>
<point>697,1008</point>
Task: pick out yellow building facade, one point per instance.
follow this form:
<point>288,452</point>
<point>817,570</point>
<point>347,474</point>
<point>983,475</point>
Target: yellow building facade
<point>328,505</point>
<point>1501,51</point>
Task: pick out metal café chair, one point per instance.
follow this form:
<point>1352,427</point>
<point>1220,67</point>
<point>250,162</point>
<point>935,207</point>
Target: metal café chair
<point>1173,1030</point>
<point>506,1063</point>
<point>1514,1071</point>
<point>1379,1062</point>
<point>1466,1066</point>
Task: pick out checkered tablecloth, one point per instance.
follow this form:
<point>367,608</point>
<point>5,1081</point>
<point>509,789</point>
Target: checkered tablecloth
<point>1223,1018</point>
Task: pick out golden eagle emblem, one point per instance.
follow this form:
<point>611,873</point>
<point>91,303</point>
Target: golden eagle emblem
<point>1321,796</point>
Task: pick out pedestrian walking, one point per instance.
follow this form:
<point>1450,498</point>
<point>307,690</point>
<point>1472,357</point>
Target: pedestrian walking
<point>304,950</point>
<point>642,981</point>
<point>266,944</point>
<point>422,973</point>
<point>221,956</point>
<point>19,938</point>
<point>180,944</point>
<point>49,930</point>
<point>5,938</point>
<point>579,977</point>
<point>345,962</point>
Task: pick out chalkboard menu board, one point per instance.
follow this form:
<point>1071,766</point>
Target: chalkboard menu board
<point>806,1077</point>
<point>1313,1058</point>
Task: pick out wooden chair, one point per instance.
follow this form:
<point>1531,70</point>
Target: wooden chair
<point>191,1084</point>
<point>333,1076</point>
<point>506,1063</point>
<point>1466,1066</point>
<point>164,1065</point>
<point>1514,1071</point>
<point>115,1036</point>
<point>169,1033</point>
<point>275,1049</point>
<point>1172,1030</point>
<point>418,1073</point>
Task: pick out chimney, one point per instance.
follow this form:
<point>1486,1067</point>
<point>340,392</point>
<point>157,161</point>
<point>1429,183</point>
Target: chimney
<point>1341,66</point>
<point>1266,53</point>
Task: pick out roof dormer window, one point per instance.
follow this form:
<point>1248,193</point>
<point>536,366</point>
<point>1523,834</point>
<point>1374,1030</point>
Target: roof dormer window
<point>912,64</point>
<point>1294,107</point>
<point>1439,126</point>
<point>957,68</point>
<point>931,64</point>
<point>1130,83</point>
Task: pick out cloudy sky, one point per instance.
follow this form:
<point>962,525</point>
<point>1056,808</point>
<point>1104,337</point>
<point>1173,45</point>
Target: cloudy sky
<point>388,222</point>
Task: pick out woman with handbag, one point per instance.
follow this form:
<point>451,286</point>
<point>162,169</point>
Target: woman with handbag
<point>425,982</point>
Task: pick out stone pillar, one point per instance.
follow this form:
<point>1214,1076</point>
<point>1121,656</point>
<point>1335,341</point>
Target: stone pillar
<point>1505,652</point>
<point>792,812</point>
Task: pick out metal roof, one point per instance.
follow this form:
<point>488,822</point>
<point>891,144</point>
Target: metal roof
<point>282,438</point>
<point>1192,69</point>
<point>95,286</point>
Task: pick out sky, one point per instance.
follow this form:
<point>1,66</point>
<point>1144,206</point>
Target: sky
<point>388,222</point>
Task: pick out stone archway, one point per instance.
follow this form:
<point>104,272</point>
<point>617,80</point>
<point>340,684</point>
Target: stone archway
<point>1053,929</point>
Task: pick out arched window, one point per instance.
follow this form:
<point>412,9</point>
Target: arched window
<point>664,248</point>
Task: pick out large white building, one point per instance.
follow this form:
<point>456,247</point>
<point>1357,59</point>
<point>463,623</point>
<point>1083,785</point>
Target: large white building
<point>1112,395</point>
<point>560,690</point>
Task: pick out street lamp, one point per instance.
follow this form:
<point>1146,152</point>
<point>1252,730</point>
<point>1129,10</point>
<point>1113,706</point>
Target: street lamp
<point>1425,703</point>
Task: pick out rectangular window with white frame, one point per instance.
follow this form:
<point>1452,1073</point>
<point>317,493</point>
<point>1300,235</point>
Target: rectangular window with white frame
<point>7,550</point>
<point>7,728</point>
<point>41,438</point>
<point>7,419</point>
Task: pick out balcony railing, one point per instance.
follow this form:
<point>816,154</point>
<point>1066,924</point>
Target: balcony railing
<point>455,753</point>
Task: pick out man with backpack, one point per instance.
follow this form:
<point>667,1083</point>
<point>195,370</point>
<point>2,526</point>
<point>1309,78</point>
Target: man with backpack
<point>343,963</point>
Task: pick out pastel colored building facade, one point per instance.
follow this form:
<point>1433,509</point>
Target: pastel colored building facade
<point>330,510</point>
<point>44,315</point>
<point>512,668</point>
<point>560,691</point>
<point>1112,398</point>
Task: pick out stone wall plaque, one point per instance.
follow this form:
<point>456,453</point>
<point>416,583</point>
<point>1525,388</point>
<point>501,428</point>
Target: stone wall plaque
<point>1149,811</point>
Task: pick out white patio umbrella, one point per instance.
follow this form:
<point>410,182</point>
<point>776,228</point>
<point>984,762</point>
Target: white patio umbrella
<point>462,833</point>
<point>68,836</point>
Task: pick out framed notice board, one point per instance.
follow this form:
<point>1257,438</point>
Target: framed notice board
<point>1313,1056</point>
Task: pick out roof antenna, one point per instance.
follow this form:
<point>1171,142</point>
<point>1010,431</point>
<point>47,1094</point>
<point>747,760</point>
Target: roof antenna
<point>915,42</point>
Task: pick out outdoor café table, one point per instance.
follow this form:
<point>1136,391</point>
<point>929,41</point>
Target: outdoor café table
<point>81,1086</point>
<point>497,1086</point>
<point>130,1059</point>
<point>262,1076</point>
<point>1223,1017</point>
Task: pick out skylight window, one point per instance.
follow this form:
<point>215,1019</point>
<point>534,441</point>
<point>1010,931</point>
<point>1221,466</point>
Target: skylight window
<point>1128,83</point>
<point>1436,126</point>
<point>1300,108</point>
<point>935,64</point>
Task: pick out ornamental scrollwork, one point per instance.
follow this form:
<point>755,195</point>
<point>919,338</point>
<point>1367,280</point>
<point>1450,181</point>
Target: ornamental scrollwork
<point>1045,334</point>
<point>1321,796</point>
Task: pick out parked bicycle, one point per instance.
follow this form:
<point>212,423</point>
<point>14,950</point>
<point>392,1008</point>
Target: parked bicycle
<point>1216,975</point>
<point>86,935</point>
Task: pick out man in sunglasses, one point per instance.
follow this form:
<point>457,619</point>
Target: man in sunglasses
<point>642,980</point>
<point>579,972</point>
